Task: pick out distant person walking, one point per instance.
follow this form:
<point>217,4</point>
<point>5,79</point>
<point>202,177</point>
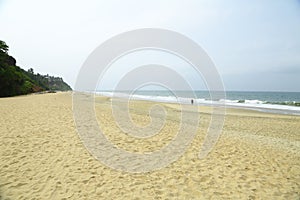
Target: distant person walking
<point>192,101</point>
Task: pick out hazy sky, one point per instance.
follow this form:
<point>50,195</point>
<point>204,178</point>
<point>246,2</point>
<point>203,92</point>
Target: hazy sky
<point>254,44</point>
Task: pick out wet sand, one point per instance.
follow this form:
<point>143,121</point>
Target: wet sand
<point>42,157</point>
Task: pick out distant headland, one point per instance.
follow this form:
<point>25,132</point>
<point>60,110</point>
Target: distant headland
<point>17,81</point>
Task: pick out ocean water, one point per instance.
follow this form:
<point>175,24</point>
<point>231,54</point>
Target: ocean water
<point>277,102</point>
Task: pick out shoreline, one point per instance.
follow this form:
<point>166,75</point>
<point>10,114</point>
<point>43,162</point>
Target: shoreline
<point>290,111</point>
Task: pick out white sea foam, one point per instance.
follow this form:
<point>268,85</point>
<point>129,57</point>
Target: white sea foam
<point>248,104</point>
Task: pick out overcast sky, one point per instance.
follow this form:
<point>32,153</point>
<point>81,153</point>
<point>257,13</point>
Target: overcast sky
<point>254,44</point>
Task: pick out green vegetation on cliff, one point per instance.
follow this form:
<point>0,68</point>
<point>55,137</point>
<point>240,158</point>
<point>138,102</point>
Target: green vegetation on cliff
<point>16,81</point>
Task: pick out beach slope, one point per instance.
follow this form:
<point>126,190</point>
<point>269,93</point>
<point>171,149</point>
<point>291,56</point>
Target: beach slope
<point>42,157</point>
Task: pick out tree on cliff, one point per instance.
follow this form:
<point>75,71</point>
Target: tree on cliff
<point>3,47</point>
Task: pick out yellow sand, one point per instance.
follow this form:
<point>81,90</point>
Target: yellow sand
<point>41,156</point>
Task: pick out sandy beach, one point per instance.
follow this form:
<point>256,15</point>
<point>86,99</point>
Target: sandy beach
<point>42,157</point>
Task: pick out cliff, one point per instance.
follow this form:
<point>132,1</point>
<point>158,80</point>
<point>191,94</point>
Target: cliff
<point>16,81</point>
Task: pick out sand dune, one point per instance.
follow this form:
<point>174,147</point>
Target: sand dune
<point>42,157</point>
